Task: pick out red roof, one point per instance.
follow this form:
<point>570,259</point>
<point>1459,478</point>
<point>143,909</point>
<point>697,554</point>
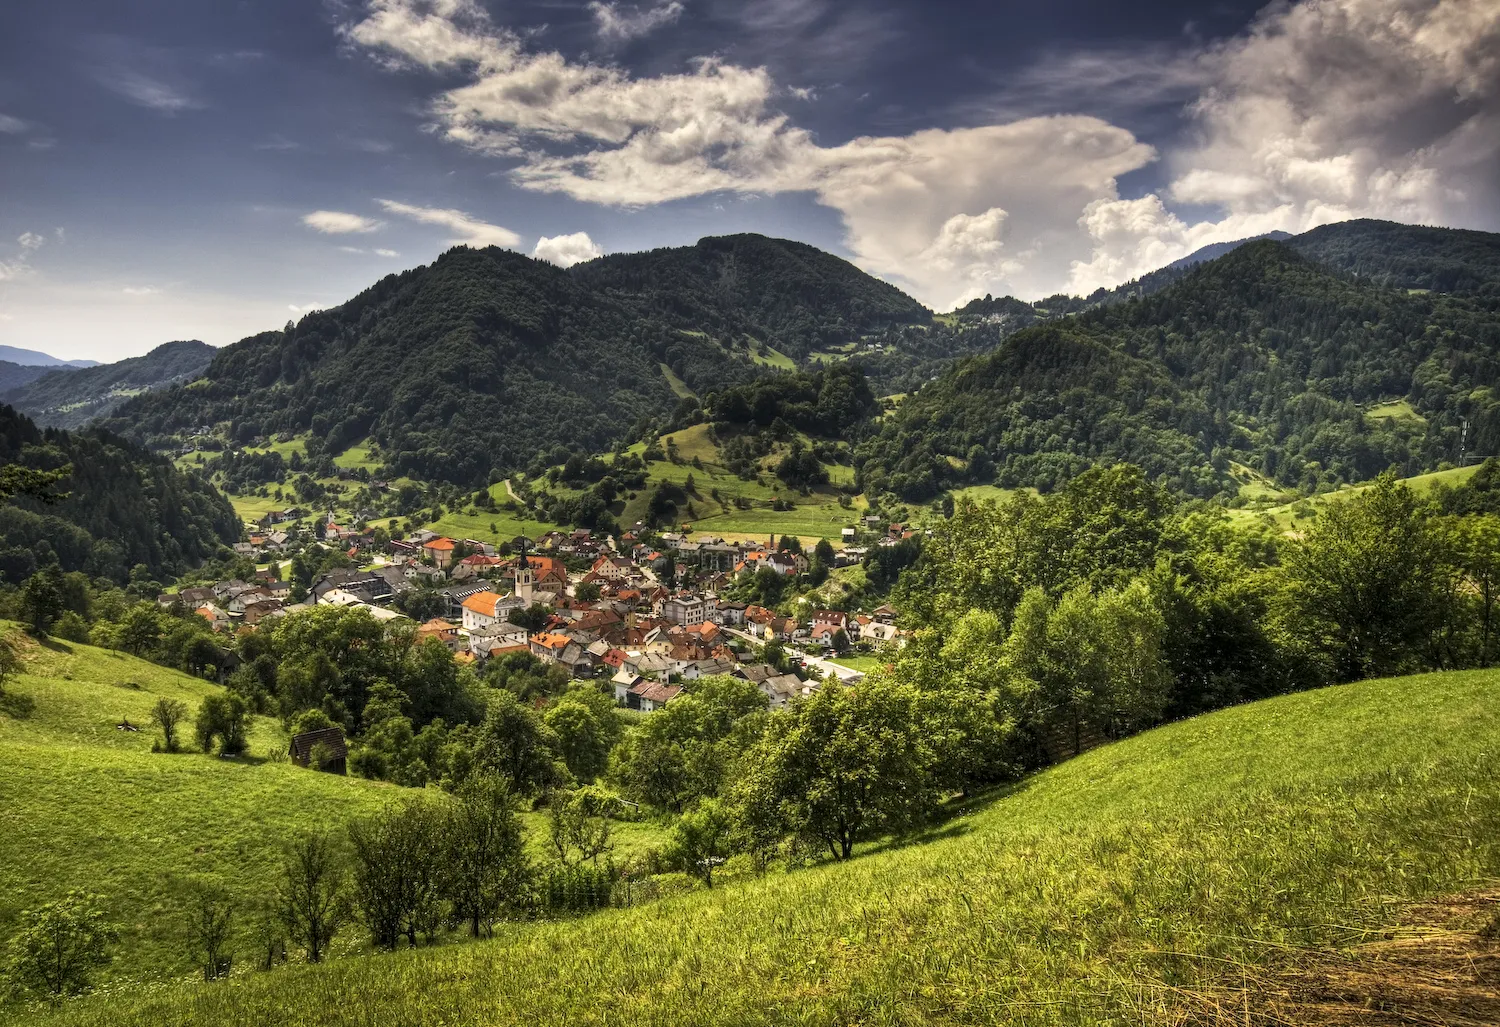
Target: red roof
<point>439,543</point>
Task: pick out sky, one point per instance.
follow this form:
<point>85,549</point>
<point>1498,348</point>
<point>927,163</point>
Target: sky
<point>174,169</point>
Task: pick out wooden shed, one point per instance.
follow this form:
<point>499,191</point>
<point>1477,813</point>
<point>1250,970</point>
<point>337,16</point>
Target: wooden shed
<point>331,738</point>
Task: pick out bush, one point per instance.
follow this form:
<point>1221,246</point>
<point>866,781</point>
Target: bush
<point>59,945</point>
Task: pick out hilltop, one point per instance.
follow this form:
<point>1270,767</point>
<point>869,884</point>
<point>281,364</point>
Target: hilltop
<point>486,357</point>
<point>1154,879</point>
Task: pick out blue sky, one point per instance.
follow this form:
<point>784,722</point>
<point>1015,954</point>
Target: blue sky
<point>173,169</point>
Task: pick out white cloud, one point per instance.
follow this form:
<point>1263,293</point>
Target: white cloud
<point>337,222</point>
<point>141,290</point>
<point>616,23</point>
<point>30,241</point>
<point>567,250</point>
<point>146,91</point>
<point>386,253</point>
<point>11,126</point>
<point>467,230</point>
<point>1318,112</point>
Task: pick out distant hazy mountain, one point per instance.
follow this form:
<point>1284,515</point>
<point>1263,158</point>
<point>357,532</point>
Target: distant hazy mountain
<point>71,396</point>
<point>35,358</point>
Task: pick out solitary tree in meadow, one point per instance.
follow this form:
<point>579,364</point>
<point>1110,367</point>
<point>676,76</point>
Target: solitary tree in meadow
<point>210,923</point>
<point>167,714</point>
<point>312,900</point>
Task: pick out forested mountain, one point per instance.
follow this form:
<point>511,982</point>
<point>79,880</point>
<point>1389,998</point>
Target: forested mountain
<point>14,376</point>
<point>69,397</point>
<point>1407,256</point>
<point>122,507</point>
<point>796,297</point>
<point>1261,356</point>
<point>471,366</point>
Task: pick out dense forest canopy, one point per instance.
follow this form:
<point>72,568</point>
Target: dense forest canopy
<point>121,507</point>
<point>471,366</point>
<point>1262,357</point>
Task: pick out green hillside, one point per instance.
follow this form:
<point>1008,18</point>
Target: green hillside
<point>1262,357</point>
<point>88,805</point>
<point>464,369</point>
<point>1151,881</point>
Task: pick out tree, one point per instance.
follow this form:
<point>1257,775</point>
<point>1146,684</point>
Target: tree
<point>59,945</point>
<point>485,870</point>
<point>141,631</point>
<point>167,714</point>
<point>702,839</point>
<point>1367,584</point>
<point>397,861</point>
<point>223,717</point>
<point>685,751</point>
<point>210,922</point>
<point>587,730</point>
<point>10,659</point>
<point>587,593</point>
<point>42,600</point>
<point>1091,660</point>
<point>848,764</point>
<point>514,742</point>
<point>576,823</point>
<point>311,898</point>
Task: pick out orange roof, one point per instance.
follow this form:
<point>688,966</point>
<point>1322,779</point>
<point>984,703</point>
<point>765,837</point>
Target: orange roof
<point>439,543</point>
<point>208,613</point>
<point>505,650</point>
<point>549,640</point>
<point>436,626</point>
<point>482,603</point>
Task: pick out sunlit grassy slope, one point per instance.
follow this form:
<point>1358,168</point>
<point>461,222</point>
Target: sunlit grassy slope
<point>1118,888</point>
<point>86,805</point>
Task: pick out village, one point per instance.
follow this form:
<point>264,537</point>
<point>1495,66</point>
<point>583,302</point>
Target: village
<point>644,612</point>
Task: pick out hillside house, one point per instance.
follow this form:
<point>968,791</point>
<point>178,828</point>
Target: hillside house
<point>440,550</point>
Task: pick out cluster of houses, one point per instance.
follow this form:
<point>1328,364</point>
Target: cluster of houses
<point>613,616</point>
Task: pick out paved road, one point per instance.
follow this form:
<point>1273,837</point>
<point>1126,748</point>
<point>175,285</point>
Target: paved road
<point>848,675</point>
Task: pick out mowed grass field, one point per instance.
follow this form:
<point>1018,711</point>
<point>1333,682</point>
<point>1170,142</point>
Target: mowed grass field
<point>1289,515</point>
<point>1159,880</point>
<point>86,805</point>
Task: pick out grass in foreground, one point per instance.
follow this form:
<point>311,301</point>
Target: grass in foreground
<point>1121,887</point>
<point>87,805</point>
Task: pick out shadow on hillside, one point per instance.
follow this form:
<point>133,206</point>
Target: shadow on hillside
<point>56,644</point>
<point>955,817</point>
<point>13,704</point>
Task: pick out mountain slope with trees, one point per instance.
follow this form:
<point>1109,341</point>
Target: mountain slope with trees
<point>70,397</point>
<point>467,368</point>
<point>115,508</point>
<point>1262,357</point>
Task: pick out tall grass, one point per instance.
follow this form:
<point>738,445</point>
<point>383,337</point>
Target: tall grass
<point>1146,882</point>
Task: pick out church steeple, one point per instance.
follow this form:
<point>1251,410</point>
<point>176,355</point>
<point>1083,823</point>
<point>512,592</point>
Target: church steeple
<point>525,579</point>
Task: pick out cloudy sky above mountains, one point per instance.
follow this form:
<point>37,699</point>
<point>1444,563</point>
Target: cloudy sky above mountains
<point>178,169</point>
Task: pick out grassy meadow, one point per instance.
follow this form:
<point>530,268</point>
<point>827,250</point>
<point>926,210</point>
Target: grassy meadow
<point>88,805</point>
<point>1158,880</point>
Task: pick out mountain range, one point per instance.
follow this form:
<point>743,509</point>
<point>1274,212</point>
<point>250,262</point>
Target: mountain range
<point>1262,354</point>
<point>71,396</point>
